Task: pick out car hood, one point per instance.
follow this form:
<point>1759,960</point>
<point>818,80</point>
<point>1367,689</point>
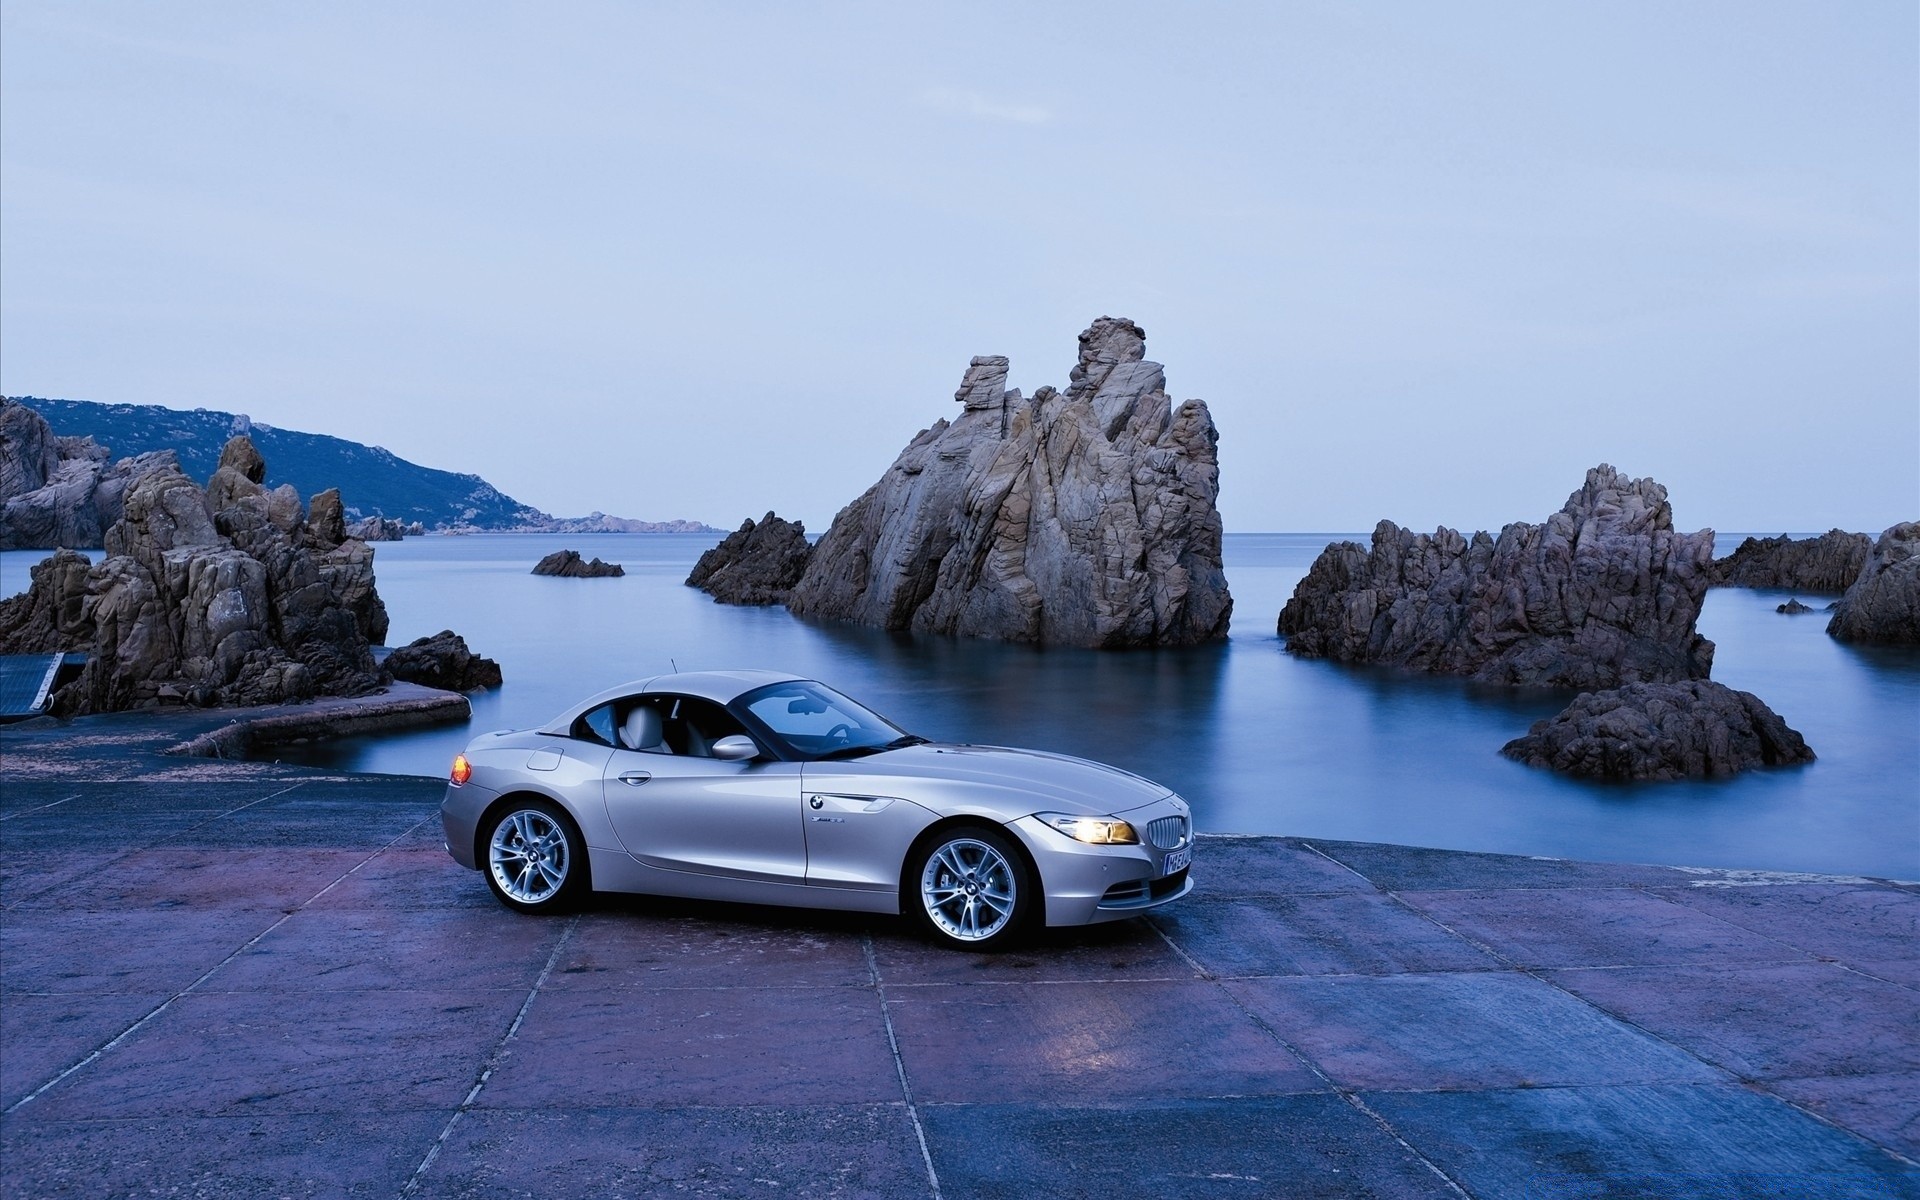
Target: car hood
<point>948,776</point>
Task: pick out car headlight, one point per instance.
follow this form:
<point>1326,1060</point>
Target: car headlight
<point>1098,831</point>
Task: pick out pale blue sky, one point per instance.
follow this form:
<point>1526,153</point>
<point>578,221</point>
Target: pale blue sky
<point>1423,261</point>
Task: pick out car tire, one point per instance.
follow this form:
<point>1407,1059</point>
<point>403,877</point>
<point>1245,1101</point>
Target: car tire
<point>534,858</point>
<point>970,888</point>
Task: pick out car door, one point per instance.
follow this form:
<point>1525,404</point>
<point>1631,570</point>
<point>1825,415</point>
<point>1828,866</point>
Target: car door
<point>708,816</point>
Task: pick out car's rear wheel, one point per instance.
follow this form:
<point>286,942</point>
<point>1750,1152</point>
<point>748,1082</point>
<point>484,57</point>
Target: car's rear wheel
<point>535,860</point>
<point>971,888</point>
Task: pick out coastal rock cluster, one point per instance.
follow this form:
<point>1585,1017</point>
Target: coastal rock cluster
<point>1605,592</point>
<point>1077,518</point>
<point>1828,563</point>
<point>758,563</point>
<point>1883,603</point>
<point>60,491</point>
<point>231,594</point>
<point>567,564</point>
<point>384,529</point>
<point>1697,729</point>
<point>443,661</point>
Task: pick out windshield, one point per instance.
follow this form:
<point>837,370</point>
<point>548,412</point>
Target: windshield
<point>817,722</point>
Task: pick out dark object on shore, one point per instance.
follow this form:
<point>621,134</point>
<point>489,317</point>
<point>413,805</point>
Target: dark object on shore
<point>757,563</point>
<point>1605,592</point>
<point>60,491</point>
<point>230,595</point>
<point>1693,730</point>
<point>1883,605</point>
<point>567,564</point>
<point>1076,518</point>
<point>1793,607</point>
<point>1828,563</point>
<point>443,661</point>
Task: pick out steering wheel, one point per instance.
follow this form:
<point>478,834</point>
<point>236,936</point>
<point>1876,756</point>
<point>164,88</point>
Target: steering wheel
<point>839,732</point>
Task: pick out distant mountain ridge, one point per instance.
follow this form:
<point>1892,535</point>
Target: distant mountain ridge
<point>373,481</point>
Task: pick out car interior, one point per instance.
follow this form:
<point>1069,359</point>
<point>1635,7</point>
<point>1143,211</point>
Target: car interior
<point>682,725</point>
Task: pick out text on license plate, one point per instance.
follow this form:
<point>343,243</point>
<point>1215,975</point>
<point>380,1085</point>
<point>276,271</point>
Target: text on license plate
<point>1176,861</point>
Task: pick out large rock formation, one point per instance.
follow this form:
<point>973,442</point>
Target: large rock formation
<point>1827,563</point>
<point>1692,730</point>
<point>383,529</point>
<point>227,595</point>
<point>60,491</point>
<point>443,661</point>
<point>1079,518</point>
<point>1605,592</point>
<point>1883,604</point>
<point>567,564</point>
<point>757,563</point>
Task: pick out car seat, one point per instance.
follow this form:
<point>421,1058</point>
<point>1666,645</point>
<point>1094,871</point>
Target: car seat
<point>641,731</point>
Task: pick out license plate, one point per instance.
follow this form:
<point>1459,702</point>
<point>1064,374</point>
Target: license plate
<point>1176,861</point>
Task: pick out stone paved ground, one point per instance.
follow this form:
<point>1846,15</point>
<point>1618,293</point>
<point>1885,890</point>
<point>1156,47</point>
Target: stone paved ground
<point>279,985</point>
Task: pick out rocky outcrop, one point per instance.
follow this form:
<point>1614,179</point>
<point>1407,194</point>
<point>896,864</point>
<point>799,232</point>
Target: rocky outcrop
<point>1692,730</point>
<point>757,563</point>
<point>50,615</point>
<point>443,661</point>
<point>383,529</point>
<point>222,595</point>
<point>1828,563</point>
<point>1793,607</point>
<point>567,564</point>
<point>1883,603</point>
<point>1604,592</point>
<point>60,491</point>
<point>1076,518</point>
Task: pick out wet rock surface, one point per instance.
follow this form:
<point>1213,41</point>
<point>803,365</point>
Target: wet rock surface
<point>1649,731</point>
<point>567,564</point>
<point>1077,518</point>
<point>1828,563</point>
<point>229,594</point>
<point>1794,608</point>
<point>443,661</point>
<point>1604,592</point>
<point>60,491</point>
<point>1883,603</point>
<point>758,563</point>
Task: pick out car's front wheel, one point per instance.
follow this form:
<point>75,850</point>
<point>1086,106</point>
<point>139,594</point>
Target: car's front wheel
<point>970,888</point>
<point>535,860</point>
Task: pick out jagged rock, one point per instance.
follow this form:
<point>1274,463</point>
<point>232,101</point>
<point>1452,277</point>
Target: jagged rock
<point>1076,518</point>
<point>1883,604</point>
<point>326,520</point>
<point>377,529</point>
<point>59,491</point>
<point>1691,730</point>
<point>49,616</point>
<point>567,564</point>
<point>1827,563</point>
<point>1793,607</point>
<point>757,563</point>
<point>443,661</point>
<point>1605,592</point>
<point>221,596</point>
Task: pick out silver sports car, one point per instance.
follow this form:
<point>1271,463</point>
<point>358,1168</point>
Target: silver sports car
<point>767,788</point>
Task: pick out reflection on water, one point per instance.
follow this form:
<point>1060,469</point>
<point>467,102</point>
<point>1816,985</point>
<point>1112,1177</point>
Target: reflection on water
<point>1259,741</point>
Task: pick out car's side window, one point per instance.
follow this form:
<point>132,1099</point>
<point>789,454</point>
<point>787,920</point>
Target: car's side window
<point>596,726</point>
<point>692,725</point>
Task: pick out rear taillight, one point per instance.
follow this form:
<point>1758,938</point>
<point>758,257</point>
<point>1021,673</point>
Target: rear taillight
<point>462,770</point>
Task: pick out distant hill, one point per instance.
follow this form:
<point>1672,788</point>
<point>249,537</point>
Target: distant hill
<point>372,481</point>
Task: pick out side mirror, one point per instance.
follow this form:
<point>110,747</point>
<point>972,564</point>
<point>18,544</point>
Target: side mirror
<point>735,747</point>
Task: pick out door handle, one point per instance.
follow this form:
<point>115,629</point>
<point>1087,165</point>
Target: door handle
<point>635,778</point>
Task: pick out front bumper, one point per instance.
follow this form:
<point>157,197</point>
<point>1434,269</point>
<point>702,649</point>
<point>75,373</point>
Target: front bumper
<point>1086,884</point>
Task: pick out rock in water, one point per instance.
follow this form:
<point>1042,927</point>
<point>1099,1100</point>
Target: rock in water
<point>1827,563</point>
<point>221,596</point>
<point>1076,518</point>
<point>1604,592</point>
<point>1883,605</point>
<point>1693,730</point>
<point>757,563</point>
<point>1793,607</point>
<point>60,491</point>
<point>567,564</point>
<point>378,529</point>
<point>443,661</point>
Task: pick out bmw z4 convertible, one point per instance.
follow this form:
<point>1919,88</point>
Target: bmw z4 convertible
<point>765,788</point>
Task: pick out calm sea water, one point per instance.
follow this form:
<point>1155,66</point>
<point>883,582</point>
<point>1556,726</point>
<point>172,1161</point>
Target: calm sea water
<point>1259,741</point>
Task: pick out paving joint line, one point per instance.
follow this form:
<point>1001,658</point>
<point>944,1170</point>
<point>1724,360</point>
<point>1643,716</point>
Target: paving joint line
<point>899,1065</point>
<point>1351,1098</point>
<point>168,1003</point>
<point>25,812</point>
<point>493,1060</point>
